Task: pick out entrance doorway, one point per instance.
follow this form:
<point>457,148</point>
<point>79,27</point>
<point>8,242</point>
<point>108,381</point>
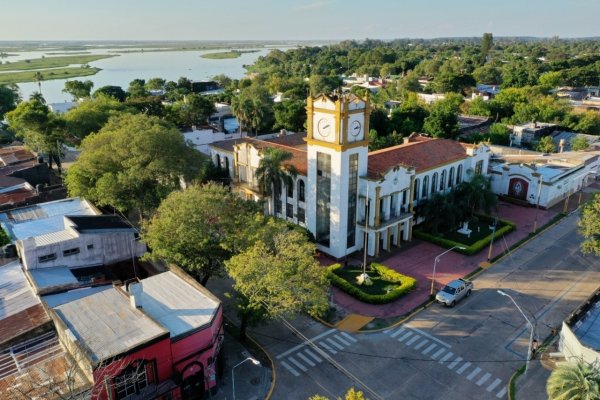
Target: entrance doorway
<point>192,387</point>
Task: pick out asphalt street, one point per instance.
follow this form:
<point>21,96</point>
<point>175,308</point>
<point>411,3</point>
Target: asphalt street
<point>466,352</point>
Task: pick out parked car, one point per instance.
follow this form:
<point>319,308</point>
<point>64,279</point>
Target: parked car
<point>454,291</point>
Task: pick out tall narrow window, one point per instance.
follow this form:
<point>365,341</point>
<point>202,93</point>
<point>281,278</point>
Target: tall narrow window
<point>479,167</point>
<point>227,164</point>
<point>459,174</point>
<point>323,198</point>
<point>301,190</point>
<point>451,177</point>
<point>352,198</point>
<point>290,190</point>
<point>443,180</point>
<point>425,187</point>
<point>417,193</point>
<point>434,183</point>
<point>218,161</point>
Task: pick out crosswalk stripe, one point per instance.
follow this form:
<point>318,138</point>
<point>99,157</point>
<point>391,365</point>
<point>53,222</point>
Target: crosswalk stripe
<point>297,363</point>
<point>336,344</point>
<point>437,353</point>
<point>305,359</point>
<point>326,347</point>
<point>454,363</point>
<point>336,337</point>
<point>473,373</point>
<point>406,335</point>
<point>501,393</point>
<point>483,379</point>
<point>349,337</point>
<point>428,349</point>
<point>412,340</point>
<point>463,368</point>
<point>421,344</point>
<point>493,385</point>
<point>289,368</point>
<point>399,331</point>
<point>446,357</point>
<point>314,339</point>
<point>313,355</point>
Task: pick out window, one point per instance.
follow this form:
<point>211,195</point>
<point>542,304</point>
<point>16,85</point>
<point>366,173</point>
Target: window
<point>90,246</point>
<point>416,189</point>
<point>133,379</point>
<point>218,161</point>
<point>301,190</point>
<point>434,182</point>
<point>479,167</point>
<point>278,206</point>
<point>47,257</point>
<point>352,200</point>
<point>323,205</point>
<point>289,210</point>
<point>459,174</point>
<point>301,215</point>
<point>451,177</point>
<point>425,187</point>
<point>290,190</point>
<point>227,164</point>
<point>71,252</point>
<point>443,180</point>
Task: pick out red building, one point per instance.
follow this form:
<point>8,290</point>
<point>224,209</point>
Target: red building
<point>156,338</point>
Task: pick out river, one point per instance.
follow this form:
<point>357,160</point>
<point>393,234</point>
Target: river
<point>125,67</point>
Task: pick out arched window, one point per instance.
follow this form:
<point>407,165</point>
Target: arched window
<point>434,180</point>
<point>425,187</point>
<point>417,189</point>
<point>300,190</point>
<point>451,177</point>
<point>227,164</point>
<point>218,161</point>
<point>133,379</point>
<point>290,190</point>
<point>459,175</point>
<point>443,180</point>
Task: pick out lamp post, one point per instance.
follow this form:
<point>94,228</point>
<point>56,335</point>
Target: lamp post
<point>528,323</point>
<point>254,361</point>
<point>437,259</point>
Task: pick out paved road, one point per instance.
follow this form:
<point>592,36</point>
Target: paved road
<point>467,352</point>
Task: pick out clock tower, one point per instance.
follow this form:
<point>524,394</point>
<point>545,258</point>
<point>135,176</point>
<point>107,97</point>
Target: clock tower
<point>337,146</point>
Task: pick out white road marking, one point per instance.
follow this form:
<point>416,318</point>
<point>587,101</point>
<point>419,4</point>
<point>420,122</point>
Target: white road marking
<point>349,337</point>
<point>313,355</point>
<point>297,364</point>
<point>407,334</point>
<point>305,359</point>
<point>428,349</point>
<point>437,353</point>
<point>412,340</point>
<point>501,393</point>
<point>293,349</point>
<point>446,357</point>
<point>336,344</point>
<point>340,339</point>
<point>493,385</point>
<point>473,373</point>
<point>428,336</point>
<point>289,368</point>
<point>399,331</point>
<point>463,368</point>
<point>326,347</point>
<point>454,363</point>
<point>421,344</point>
<point>483,379</point>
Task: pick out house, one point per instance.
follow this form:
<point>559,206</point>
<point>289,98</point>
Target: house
<point>431,98</point>
<point>485,92</point>
<point>338,179</point>
<point>200,139</point>
<point>580,333</point>
<point>529,133</point>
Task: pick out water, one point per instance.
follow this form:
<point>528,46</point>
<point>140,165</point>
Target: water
<point>122,69</point>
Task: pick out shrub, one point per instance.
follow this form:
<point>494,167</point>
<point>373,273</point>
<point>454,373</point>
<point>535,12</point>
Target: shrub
<point>406,284</point>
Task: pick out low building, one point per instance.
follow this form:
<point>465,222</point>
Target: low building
<point>201,139</point>
<point>564,139</point>
<point>530,133</point>
<point>580,332</point>
<point>485,92</point>
<point>431,98</point>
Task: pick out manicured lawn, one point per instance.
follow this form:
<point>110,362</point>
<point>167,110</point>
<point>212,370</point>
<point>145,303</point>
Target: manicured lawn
<point>479,230</point>
<point>51,62</point>
<point>379,286</point>
<point>57,73</point>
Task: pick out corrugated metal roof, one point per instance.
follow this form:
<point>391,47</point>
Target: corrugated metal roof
<point>55,300</point>
<point>54,237</point>
<point>15,293</point>
<point>107,325</point>
<point>176,304</point>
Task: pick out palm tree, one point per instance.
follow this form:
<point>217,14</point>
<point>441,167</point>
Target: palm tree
<point>38,77</point>
<point>476,194</point>
<point>578,381</point>
<point>273,172</point>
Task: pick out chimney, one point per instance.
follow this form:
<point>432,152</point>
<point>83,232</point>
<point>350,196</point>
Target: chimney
<point>135,294</point>
<point>282,132</point>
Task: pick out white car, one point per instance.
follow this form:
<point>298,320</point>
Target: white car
<point>454,291</point>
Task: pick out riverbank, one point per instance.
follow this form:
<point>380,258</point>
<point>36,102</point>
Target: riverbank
<point>52,62</point>
<point>50,74</point>
<point>226,54</point>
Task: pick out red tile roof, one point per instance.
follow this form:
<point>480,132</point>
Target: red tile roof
<point>291,140</point>
<point>421,153</point>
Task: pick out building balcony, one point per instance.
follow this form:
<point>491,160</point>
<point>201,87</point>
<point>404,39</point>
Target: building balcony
<point>387,221</point>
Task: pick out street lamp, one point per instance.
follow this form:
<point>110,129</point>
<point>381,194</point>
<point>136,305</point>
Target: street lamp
<point>528,323</point>
<point>437,259</point>
<point>254,361</point>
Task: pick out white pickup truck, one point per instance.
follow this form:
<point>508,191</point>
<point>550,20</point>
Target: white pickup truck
<point>454,291</point>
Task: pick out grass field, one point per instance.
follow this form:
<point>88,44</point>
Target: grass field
<point>51,62</point>
<point>226,54</point>
<point>379,286</point>
<point>58,73</point>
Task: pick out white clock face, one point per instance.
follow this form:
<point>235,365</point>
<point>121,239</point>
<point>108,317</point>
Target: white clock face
<point>355,128</point>
<point>324,127</point>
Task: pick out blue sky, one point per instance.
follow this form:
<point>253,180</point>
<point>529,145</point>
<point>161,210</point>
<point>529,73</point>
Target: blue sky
<point>296,20</point>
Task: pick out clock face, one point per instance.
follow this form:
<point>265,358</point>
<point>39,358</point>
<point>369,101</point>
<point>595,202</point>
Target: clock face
<point>324,127</point>
<point>355,128</point>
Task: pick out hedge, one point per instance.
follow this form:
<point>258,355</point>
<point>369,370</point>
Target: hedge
<point>407,284</point>
<point>475,247</point>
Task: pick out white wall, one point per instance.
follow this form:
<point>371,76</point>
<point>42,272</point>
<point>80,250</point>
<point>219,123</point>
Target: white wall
<point>201,139</point>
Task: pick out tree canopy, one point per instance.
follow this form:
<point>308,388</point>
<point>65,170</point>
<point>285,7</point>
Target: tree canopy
<point>78,89</point>
<point>574,381</point>
<point>589,226</point>
<point>91,115</point>
<point>9,97</point>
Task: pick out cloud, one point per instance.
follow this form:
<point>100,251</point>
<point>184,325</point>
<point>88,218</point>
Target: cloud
<point>314,5</point>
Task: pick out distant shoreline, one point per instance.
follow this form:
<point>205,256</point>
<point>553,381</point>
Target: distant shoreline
<point>226,54</point>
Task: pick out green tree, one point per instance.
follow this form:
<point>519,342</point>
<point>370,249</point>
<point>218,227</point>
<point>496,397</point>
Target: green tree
<point>253,108</point>
<point>574,381</point>
<point>41,129</point>
<point>9,98</point>
<point>442,121</point>
<point>589,226</point>
<point>91,115</point>
<point>38,77</point>
<point>589,122</point>
<point>475,195</point>
<point>352,394</point>
<point>499,134</point>
<point>546,145</point>
<point>486,44</point>
<point>195,229</point>
<point>290,115</point>
<point>488,74</point>
<point>409,117</point>
<point>132,163</point>
<point>137,88</point>
<point>115,92</point>
<point>78,89</point>
<point>273,172</point>
<point>579,143</point>
<point>325,84</point>
<point>155,84</point>
<point>278,276</point>
<point>550,79</point>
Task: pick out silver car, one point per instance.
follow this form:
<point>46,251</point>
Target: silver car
<point>454,291</point>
